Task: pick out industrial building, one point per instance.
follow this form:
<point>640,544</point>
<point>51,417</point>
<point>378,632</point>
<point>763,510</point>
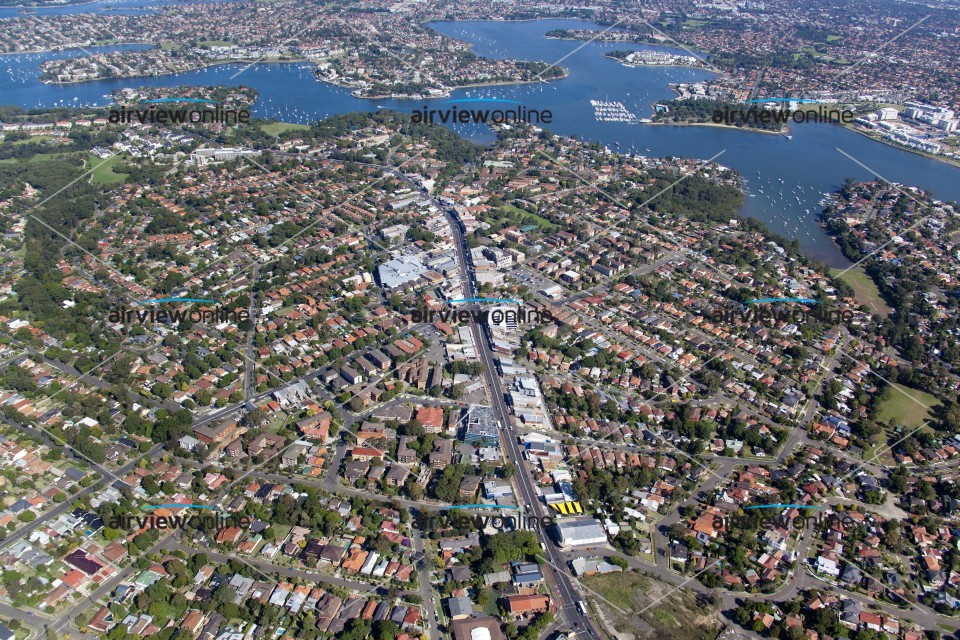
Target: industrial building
<point>580,531</point>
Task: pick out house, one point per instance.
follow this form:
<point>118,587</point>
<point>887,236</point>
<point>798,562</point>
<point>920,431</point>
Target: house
<point>269,442</point>
<point>315,427</point>
<point>459,608</point>
<point>101,622</point>
<point>526,574</point>
<point>490,579</point>
<point>459,573</point>
<point>193,622</point>
<point>365,454</point>
<point>85,562</point>
<point>679,552</point>
<point>521,605</point>
<point>827,566</point>
<point>592,566</point>
<point>851,575</point>
<point>188,442</point>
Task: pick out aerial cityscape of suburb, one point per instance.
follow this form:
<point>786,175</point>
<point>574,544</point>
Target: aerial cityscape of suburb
<point>479,320</point>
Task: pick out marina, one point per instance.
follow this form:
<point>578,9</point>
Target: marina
<point>607,111</point>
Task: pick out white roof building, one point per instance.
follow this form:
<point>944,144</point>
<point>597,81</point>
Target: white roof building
<point>581,531</point>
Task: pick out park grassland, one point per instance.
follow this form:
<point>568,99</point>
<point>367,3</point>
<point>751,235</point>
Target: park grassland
<point>531,218</point>
<point>276,128</point>
<point>103,172</point>
<point>906,406</point>
<point>864,290</point>
<point>649,609</point>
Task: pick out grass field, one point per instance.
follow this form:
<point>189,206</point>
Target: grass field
<point>33,139</point>
<point>40,157</point>
<point>906,406</point>
<point>864,290</point>
<point>276,128</point>
<point>104,173</point>
<point>531,218</point>
<point>647,608</point>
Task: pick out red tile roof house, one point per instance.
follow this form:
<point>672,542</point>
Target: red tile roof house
<point>102,621</point>
<point>193,622</point>
<point>74,578</point>
<point>315,427</point>
<point>521,605</point>
<point>229,535</point>
<point>365,453</point>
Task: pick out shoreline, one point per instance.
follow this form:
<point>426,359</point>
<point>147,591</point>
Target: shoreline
<point>718,126</point>
<point>945,160</point>
<point>40,6</point>
<point>654,66</point>
<point>505,83</point>
<point>648,43</point>
<point>173,73</point>
<point>296,60</point>
<point>36,51</point>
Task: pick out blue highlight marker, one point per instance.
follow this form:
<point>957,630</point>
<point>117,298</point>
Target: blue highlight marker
<point>780,506</point>
<point>459,300</point>
<point>164,100</point>
<point>480,506</point>
<point>797,100</point>
<point>485,100</point>
<point>176,300</point>
<point>188,505</point>
<point>803,300</point>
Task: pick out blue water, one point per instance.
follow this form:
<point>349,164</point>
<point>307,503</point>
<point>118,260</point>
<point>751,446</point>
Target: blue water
<point>809,165</point>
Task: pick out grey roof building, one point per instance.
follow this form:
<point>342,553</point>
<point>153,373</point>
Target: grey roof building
<point>580,531</point>
<point>400,272</point>
<point>459,607</point>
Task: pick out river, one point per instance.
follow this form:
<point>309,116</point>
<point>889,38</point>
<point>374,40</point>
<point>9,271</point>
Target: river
<point>785,178</point>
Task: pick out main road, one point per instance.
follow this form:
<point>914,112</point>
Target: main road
<point>554,570</point>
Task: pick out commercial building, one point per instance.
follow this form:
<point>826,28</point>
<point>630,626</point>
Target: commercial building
<point>580,531</point>
<point>401,272</point>
<point>481,426</point>
<point>477,628</point>
<point>202,157</point>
